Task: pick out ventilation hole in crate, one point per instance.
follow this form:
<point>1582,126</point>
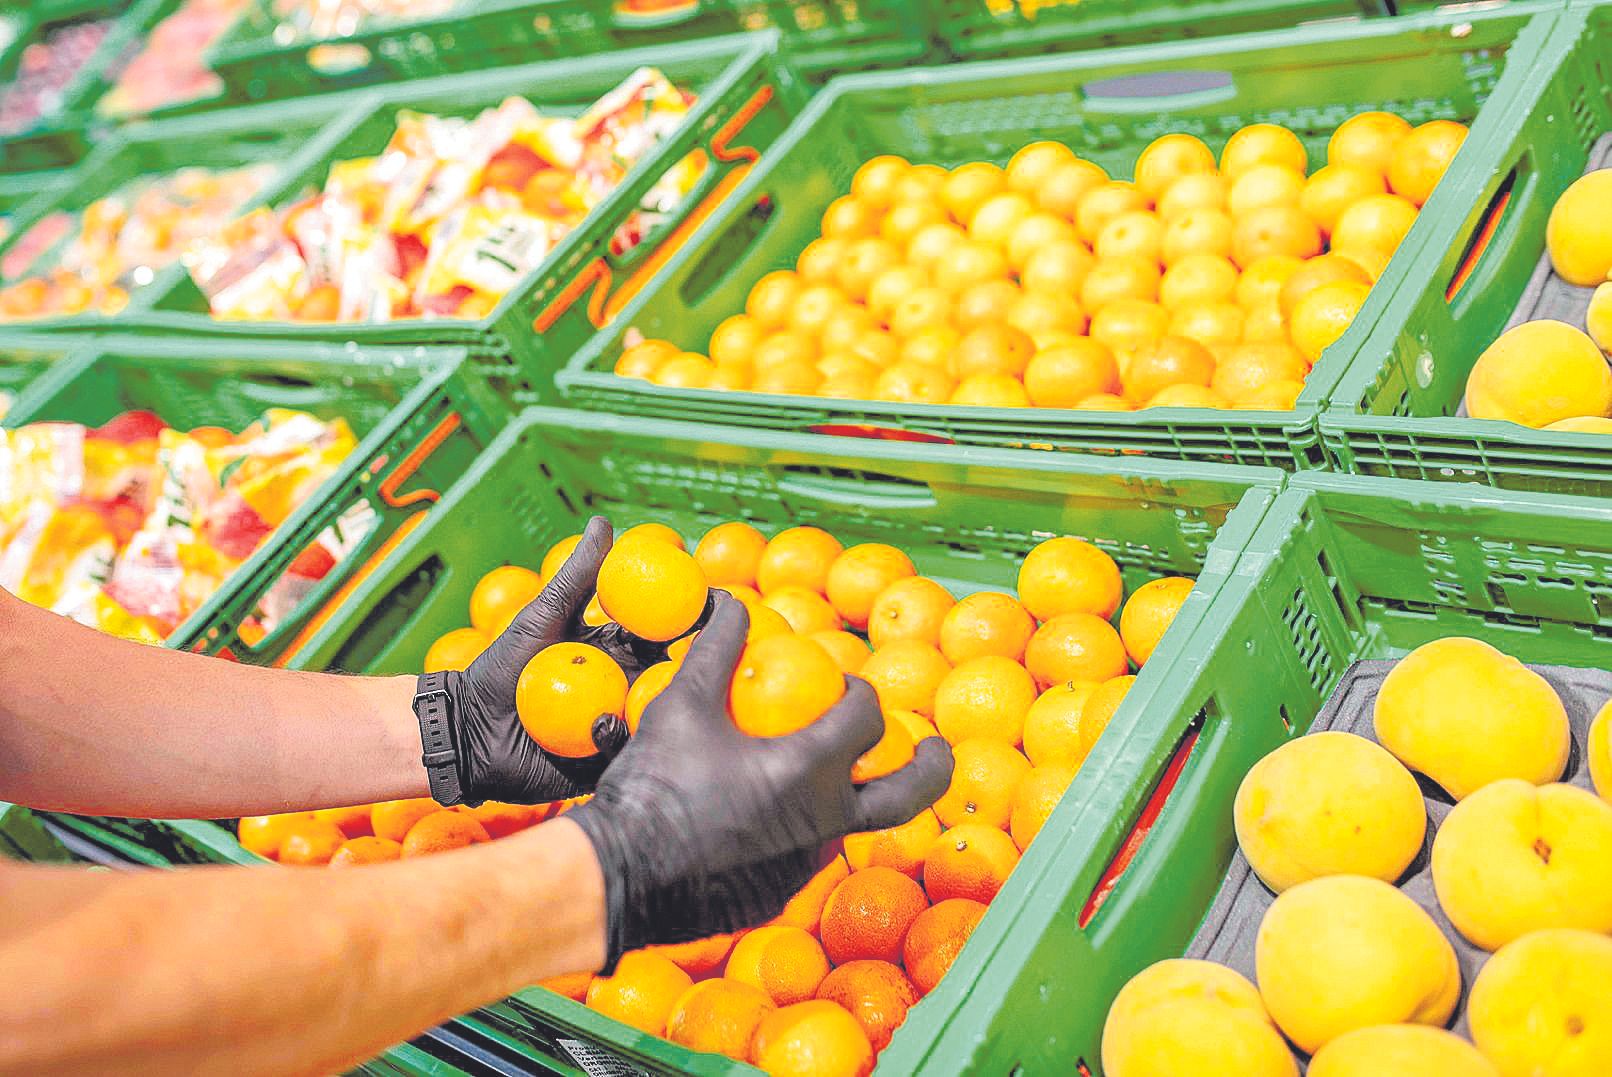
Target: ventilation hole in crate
<point>1507,619</point>
<point>1497,592</point>
<point>1304,630</point>
<point>1602,601</point>
<point>1287,718</point>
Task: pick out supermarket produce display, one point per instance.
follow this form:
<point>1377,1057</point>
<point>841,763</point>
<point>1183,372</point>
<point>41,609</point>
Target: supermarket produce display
<point>1194,416</point>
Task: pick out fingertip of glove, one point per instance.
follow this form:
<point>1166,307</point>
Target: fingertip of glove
<point>609,734</point>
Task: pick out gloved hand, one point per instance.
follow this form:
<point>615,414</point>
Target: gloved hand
<point>701,829</point>
<point>497,759</point>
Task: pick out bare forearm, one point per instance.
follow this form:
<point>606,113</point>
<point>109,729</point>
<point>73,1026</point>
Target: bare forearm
<point>259,970</point>
<point>93,724</point>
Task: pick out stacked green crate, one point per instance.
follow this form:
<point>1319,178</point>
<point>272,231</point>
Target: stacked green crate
<point>24,359</point>
<point>1394,412</point>
<point>1107,107</point>
<point>1341,568</point>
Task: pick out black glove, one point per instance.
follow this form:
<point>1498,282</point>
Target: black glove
<point>497,759</point>
<point>700,829</point>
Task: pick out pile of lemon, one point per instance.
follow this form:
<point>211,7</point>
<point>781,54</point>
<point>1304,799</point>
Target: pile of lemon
<point>1197,283</point>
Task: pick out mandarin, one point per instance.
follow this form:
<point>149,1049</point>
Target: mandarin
<point>560,693</point>
<point>1367,140</point>
<point>868,914</point>
<point>641,992</point>
<point>990,391</point>
<point>1264,185</point>
<point>651,588</point>
<point>500,595</point>
<point>801,556</point>
<point>1036,232</point>
<point>718,1016</point>
<point>805,909</point>
<point>1334,189</point>
<point>900,847</point>
<point>1320,270</point>
<point>848,650</point>
<point>781,960</point>
<point>442,831</point>
<point>1067,184</point>
<point>876,993</point>
<point>1261,282</point>
<point>906,674</point>
<point>1380,221</point>
<point>783,684</point>
<point>1031,166</point>
<point>1249,367</point>
<point>1323,315</point>
<point>985,772</point>
<point>310,841</point>
<point>971,860</point>
<point>859,575</point>
<point>392,819</point>
<point>1134,233</point>
<point>1198,278</point>
<point>805,610</point>
<point>879,178</point>
<point>894,748</point>
<point>264,834</point>
<point>1422,157</point>
<point>1102,204</point>
<point>1128,324</point>
<point>984,697</point>
<point>985,623</point>
<point>1099,710</point>
<point>1199,190</point>
<point>1169,360</point>
<point>914,383</point>
<point>968,186</point>
<point>1038,794</point>
<point>1063,375</point>
<point>572,985</point>
<point>500,820</point>
<point>1069,575</point>
<point>1109,280</point>
<point>354,821</point>
<point>911,608</point>
<point>1046,318</point>
<point>557,555</point>
<point>1274,230</point>
<point>650,683</point>
<point>816,1038</point>
<point>1167,159</point>
<point>1262,143</point>
<point>1052,725</point>
<point>1058,269</point>
<point>367,849</point>
<point>455,650</point>
<point>936,938</point>
<point>699,958</point>
<point>1075,647</point>
<point>644,358</point>
<point>730,553</point>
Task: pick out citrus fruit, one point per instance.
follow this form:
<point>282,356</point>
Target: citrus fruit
<point>1046,318</point>
<point>702,957</point>
<point>801,556</point>
<point>1069,575</point>
<point>906,674</point>
<point>354,821</point>
<point>1148,612</point>
<point>310,841</point>
<point>641,993</point>
<point>572,985</point>
<point>1035,232</point>
<point>818,264</point>
<point>1324,269</point>
<point>367,849</point>
<point>685,371</point>
<point>1052,725</point>
<point>914,383</point>
<point>868,914</point>
<point>644,358</point>
<point>1334,189</point>
<point>1057,269</point>
<point>812,1039</point>
<point>847,650</point>
<point>1323,315</point>
<point>1067,184</point>
<point>441,831</point>
<point>264,834</point>
<point>968,186</point>
<point>993,348</point>
<point>876,182</point>
<point>1031,166</point>
<point>729,554</point>
<point>1274,230</point>
<point>877,993</point>
<point>500,595</point>
<point>1422,157</point>
<point>1075,647</point>
<point>500,820</point>
<point>783,961</point>
<point>985,623</point>
<point>650,683</point>
<point>1210,324</point>
<point>1262,144</point>
<point>1065,374</point>
<point>1169,360</point>
<point>984,697</point>
<point>1538,373</point>
<point>1195,191</point>
<point>455,650</point>
<point>1198,278</point>
<point>1367,140</point>
<point>1264,185</point>
<point>910,608</point>
<point>971,860</point>
<point>1379,222</point>
<point>1037,795</point>
<point>657,531</point>
<point>1103,203</point>
<point>1187,396</point>
<point>899,847</point>
<point>1099,709</point>
<point>1134,233</point>
<point>1110,280</point>
<point>719,1016</point>
<point>895,749</point>
<point>392,819</point>
<point>1126,325</point>
<point>859,575</point>
<point>805,909</point>
<point>735,339</point>
<point>782,684</point>
<point>985,773</point>
<point>560,693</point>
<point>995,219</point>
<point>1262,280</point>
<point>805,610</point>
<point>651,588</point>
<point>1167,159</point>
<point>864,260</point>
<point>937,937</point>
<point>557,554</point>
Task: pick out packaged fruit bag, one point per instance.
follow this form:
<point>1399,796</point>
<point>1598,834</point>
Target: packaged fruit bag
<point>46,69</point>
<point>123,240</point>
<point>1021,686</point>
<point>449,217</point>
<point>131,526</point>
<point>1197,282</point>
<point>172,66</point>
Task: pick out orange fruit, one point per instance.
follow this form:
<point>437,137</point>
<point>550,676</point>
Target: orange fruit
<point>1067,184</point>
<point>906,219</point>
<point>848,651</point>
<point>657,531</point>
<point>988,301</point>
<point>1262,144</point>
<point>1249,367</point>
<point>846,376</point>
<point>441,831</point>
<point>932,243</point>
<point>984,697</point>
<point>1170,360</point>
<point>1057,269</point>
<point>891,287</point>
<point>931,346</point>
<point>1030,167</point>
<point>937,937</point>
<point>782,684</point>
<point>593,615</point>
<point>1148,612</point>
<point>1198,278</point>
<point>906,673</point>
<point>815,307</point>
<point>1263,324</point>
<point>970,262</point>
<point>805,909</point>
<point>805,610</point>
<point>1069,575</point>
<point>560,693</point>
<point>642,992</point>
<point>572,985</point>
<point>911,608</point>
<point>993,348</point>
<point>848,217</point>
<point>1312,274</point>
<point>1187,396</point>
<point>455,650</point>
<point>864,260</point>
<point>1103,203</point>
<point>392,819</point>
<point>859,575</point>
<point>1105,402</point>
<point>650,683</point>
<point>1422,157</point>
<point>1209,324</point>
<point>1380,221</point>
<point>644,358</point>
<point>1264,185</point>
<point>985,623</point>
<point>729,554</point>
<point>1038,794</point>
<point>968,186</point>
<point>1195,191</point>
<point>718,1016</point>
<point>264,834</point>
<point>867,915</point>
<point>1134,233</point>
<point>557,555</point>
<point>1321,317</point>
<point>311,841</point>
<point>702,957</point>
<point>735,339</point>
<point>500,595</point>
<point>876,993</point>
<point>1064,374</point>
<point>1112,279</point>
<point>971,860</point>
<point>651,588</point>
<point>354,821</point>
<point>1196,231</point>
<point>1334,189</point>
<point>819,263</point>
<point>773,297</point>
<point>1262,280</point>
<point>782,348</point>
<point>500,820</point>
<point>783,961</point>
<point>920,309</point>
<point>996,218</point>
<point>799,556</point>
<point>1128,324</point>
<point>1367,140</point>
<point>812,1039</point>
<point>914,383</point>
<point>1272,396</point>
<point>1167,159</point>
<point>1052,725</point>
<point>1075,647</point>
<point>899,847</point>
<point>678,649</point>
<point>685,371</point>
<point>985,772</point>
<point>877,181</point>
<point>1099,709</point>
<point>1046,318</point>
<point>787,378</point>
<point>1274,230</point>
<point>1035,232</point>
<point>1372,259</point>
<point>367,849</point>
<point>894,750</point>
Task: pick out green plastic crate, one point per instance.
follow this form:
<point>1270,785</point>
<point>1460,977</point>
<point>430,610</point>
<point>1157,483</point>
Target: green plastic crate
<point>17,191</point>
<point>966,515</point>
<point>422,415</point>
<point>980,29</point>
<point>1393,412</point>
<point>747,95</point>
<point>292,135</point>
<point>1341,568</point>
<point>26,357</point>
<point>1310,79</point>
<point>260,61</point>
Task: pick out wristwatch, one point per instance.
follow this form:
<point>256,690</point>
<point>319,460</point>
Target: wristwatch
<point>433,706</point>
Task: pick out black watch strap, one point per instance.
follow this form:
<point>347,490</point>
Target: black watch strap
<point>433,707</point>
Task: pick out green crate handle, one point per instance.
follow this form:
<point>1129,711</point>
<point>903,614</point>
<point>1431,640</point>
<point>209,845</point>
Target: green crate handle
<point>871,491</point>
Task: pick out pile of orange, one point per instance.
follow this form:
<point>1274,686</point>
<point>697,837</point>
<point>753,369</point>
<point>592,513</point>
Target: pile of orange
<point>1197,283</point>
<point>374,833</point>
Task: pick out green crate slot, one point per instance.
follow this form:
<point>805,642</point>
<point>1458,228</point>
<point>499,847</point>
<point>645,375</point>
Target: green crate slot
<point>1310,79</point>
<point>24,358</point>
<point>1392,413</point>
<point>979,29</point>
<point>747,96</point>
<point>1341,568</point>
